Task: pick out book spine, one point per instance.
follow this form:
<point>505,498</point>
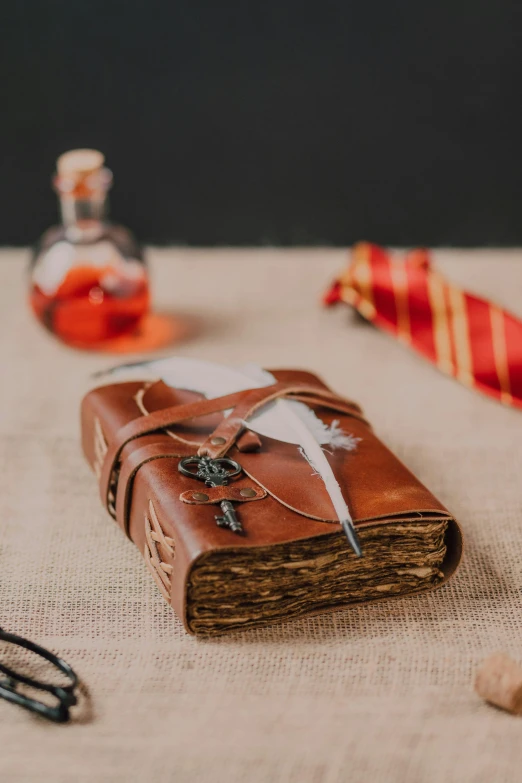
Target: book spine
<point>165,555</point>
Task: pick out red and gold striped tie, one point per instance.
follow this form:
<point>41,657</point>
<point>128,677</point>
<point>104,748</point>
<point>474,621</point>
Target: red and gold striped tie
<point>466,337</point>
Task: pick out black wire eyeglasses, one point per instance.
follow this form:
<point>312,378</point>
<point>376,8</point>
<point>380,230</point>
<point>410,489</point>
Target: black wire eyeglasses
<point>60,681</point>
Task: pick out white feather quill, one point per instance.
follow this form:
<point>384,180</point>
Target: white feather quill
<point>295,422</point>
<point>286,420</point>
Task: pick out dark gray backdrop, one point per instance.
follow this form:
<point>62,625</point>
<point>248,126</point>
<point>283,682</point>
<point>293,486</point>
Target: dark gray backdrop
<point>272,122</point>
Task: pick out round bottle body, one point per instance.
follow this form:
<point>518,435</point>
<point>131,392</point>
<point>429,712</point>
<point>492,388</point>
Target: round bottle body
<point>87,288</point>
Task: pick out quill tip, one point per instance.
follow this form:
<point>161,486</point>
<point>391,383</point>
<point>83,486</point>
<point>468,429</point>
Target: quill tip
<point>351,535</point>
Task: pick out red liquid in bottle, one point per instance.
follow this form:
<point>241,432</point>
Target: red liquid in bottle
<point>92,305</point>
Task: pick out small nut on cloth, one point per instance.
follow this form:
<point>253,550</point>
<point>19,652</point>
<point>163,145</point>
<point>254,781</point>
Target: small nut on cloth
<point>499,681</point>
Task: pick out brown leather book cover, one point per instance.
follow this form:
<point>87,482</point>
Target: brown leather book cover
<point>293,558</point>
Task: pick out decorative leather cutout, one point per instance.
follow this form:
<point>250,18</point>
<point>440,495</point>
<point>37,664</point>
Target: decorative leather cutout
<point>100,447</point>
<point>156,540</point>
<point>217,494</point>
<point>100,450</point>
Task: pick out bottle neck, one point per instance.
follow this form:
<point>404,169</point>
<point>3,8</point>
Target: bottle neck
<point>83,218</point>
<point>83,203</point>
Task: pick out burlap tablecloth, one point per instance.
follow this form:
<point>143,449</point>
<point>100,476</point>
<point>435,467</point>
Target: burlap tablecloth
<point>377,693</point>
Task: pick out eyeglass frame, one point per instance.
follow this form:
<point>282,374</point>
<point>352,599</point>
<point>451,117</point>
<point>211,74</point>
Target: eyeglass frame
<point>65,694</point>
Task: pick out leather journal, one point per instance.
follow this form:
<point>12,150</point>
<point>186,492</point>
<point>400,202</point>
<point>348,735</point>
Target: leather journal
<point>292,557</point>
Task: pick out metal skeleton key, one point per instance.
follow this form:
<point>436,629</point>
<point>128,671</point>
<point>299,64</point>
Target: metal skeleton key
<point>216,473</point>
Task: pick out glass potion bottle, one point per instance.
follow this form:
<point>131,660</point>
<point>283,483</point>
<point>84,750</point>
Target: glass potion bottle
<point>88,279</point>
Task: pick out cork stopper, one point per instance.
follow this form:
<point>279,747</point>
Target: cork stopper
<point>79,163</point>
<point>499,681</point>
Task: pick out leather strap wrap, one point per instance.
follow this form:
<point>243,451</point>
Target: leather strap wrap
<point>154,422</point>
<point>218,494</point>
<point>227,432</point>
<point>129,468</point>
<point>249,441</point>
<point>243,405</point>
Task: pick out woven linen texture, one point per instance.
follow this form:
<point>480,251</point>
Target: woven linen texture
<point>379,692</point>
